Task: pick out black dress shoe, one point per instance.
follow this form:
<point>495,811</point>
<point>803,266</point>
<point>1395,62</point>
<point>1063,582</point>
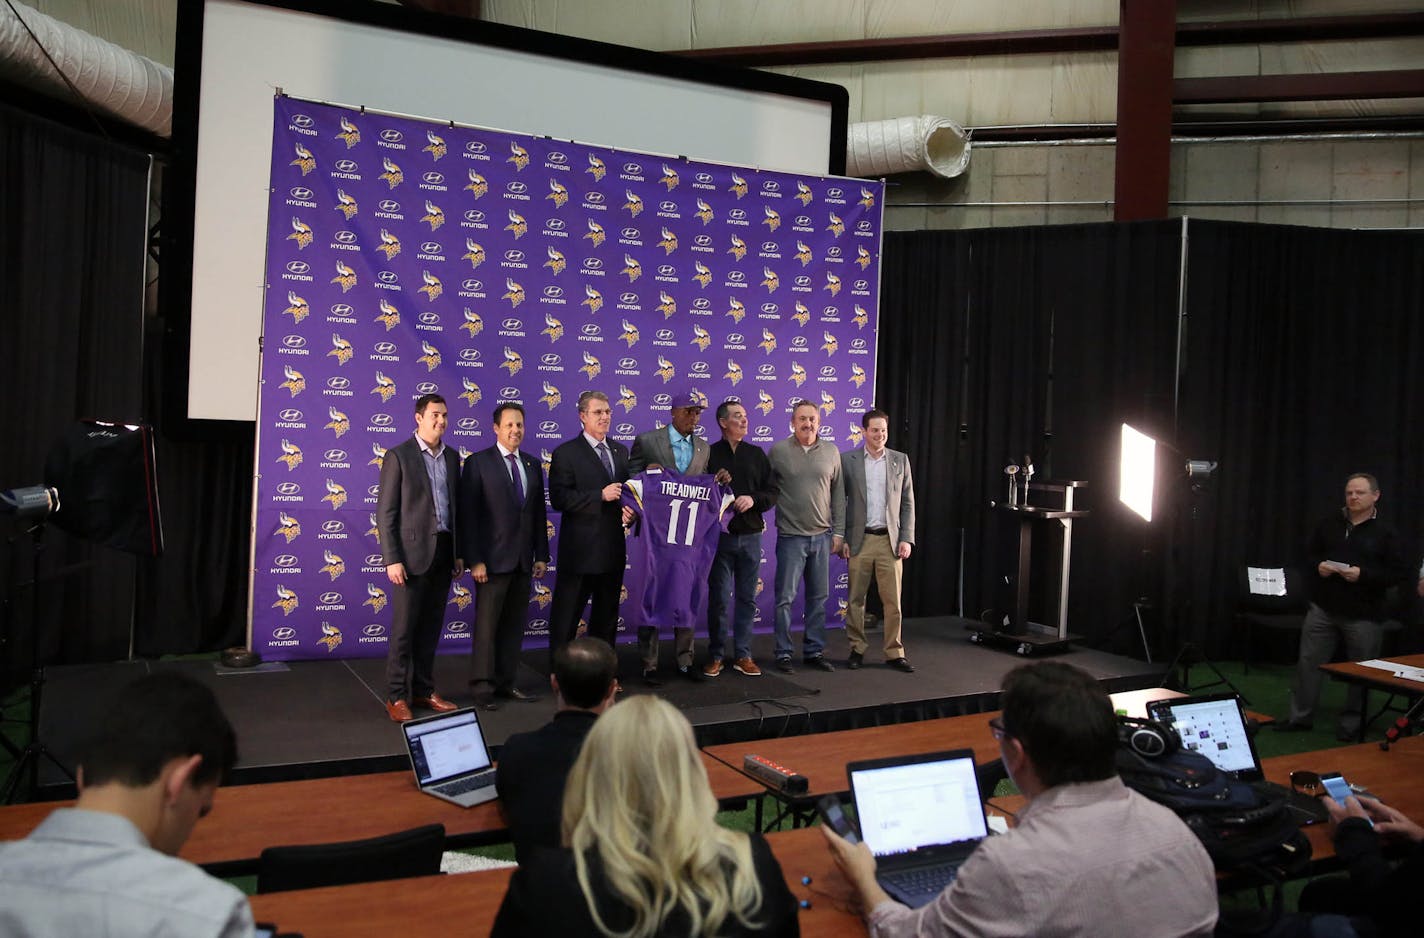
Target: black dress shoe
<point>855,660</point>
<point>900,664</point>
<point>784,666</point>
<point>692,674</point>
<point>485,701</point>
<point>650,678</point>
<point>515,693</point>
<point>819,663</point>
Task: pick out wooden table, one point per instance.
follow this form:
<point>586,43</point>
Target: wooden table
<point>248,818</point>
<point>469,901</point>
<point>1368,679</point>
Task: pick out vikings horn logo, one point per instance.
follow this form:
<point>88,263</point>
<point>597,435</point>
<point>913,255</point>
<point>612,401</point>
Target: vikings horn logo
<point>436,147</point>
<point>700,338</point>
<point>473,324</point>
<point>518,156</point>
<point>634,205</point>
<point>736,309</point>
<point>856,435</point>
<point>738,248</point>
<point>666,304</point>
<point>330,637</point>
<point>291,455</point>
<point>595,233</point>
<point>704,212</point>
<point>669,177</point>
<point>593,299</point>
<point>668,242</point>
<point>867,198</point>
<point>296,382</point>
<point>798,374</point>
<point>596,167</point>
<point>862,256</point>
<point>341,350</point>
<point>861,317</point>
<point>345,204</point>
<point>738,186</point>
<point>833,283</point>
<point>474,253</point>
<point>514,292</point>
<point>665,369</point>
<point>338,422</point>
<point>630,333</point>
<point>802,314</point>
<point>803,253</point>
<point>376,597</point>
<point>385,387</point>
<point>546,459</point>
<point>542,594</point>
<point>390,316</point>
<point>772,219</point>
<point>471,395</point>
<point>301,233</point>
<point>430,356</point>
<point>390,245</point>
<point>335,566</point>
<point>558,193</point>
<point>288,527</point>
<point>372,531</point>
<point>769,279</point>
<point>627,398</point>
<point>304,161</point>
<point>477,185</point>
<point>632,268</point>
<point>768,341</point>
<point>836,227</point>
<point>556,261</point>
<point>842,607</point>
<point>349,133</point>
<point>434,215</point>
<point>393,175</point>
<point>464,455</point>
<point>760,586</point>
<point>433,288</point>
<point>297,308</point>
<point>831,345</point>
<point>513,361</point>
<point>286,600</point>
<point>591,366</point>
<point>344,276</point>
<point>517,224</point>
<point>553,328</point>
<point>460,597</point>
<point>803,192</point>
<point>701,274</point>
<point>857,376</point>
<point>378,456</point>
<point>552,397</point>
<point>764,403</point>
<point>734,373</point>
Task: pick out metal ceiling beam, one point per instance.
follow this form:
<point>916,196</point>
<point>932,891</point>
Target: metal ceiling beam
<point>1320,86</point>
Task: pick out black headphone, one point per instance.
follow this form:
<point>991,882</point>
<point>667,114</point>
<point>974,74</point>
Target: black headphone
<point>1148,738</point>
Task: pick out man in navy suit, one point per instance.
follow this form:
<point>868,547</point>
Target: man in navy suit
<point>586,479</point>
<point>505,541</point>
<point>415,522</point>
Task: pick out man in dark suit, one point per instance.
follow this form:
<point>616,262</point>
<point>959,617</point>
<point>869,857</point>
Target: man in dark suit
<point>675,446</point>
<point>505,540</point>
<point>534,766</point>
<point>415,521</point>
<point>586,479</point>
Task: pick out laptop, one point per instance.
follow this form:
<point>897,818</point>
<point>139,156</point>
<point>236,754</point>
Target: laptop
<point>921,816</point>
<point>1215,726</point>
<point>450,758</point>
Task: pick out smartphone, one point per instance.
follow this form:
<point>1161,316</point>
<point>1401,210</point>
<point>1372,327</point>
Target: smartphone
<point>1339,789</point>
<point>833,815</point>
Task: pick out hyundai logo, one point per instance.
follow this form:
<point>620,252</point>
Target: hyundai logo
<point>301,192</point>
<point>803,220</point>
<point>514,257</point>
<point>391,135</point>
<point>384,348</point>
<point>704,177</point>
<point>632,169</point>
<point>433,178</point>
<point>289,488</point>
<point>833,251</point>
<point>662,400</point>
<point>826,432</point>
<point>594,198</point>
<point>301,120</point>
<point>590,328</point>
<point>475,215</point>
<point>555,224</point>
<point>549,426</point>
<point>737,213</point>
<point>770,247</point>
<point>294,341</point>
<point>664,334</point>
<point>736,276</point>
<point>699,367</point>
<point>856,403</point>
<point>863,226</point>
<point>769,307</point>
<point>828,371</point>
<point>467,423</point>
<point>632,234</point>
<point>290,415</point>
<point>346,166</point>
<point>736,338</point>
<point>432,247</point>
<point>374,489</point>
<point>427,387</point>
<point>374,560</point>
<point>338,383</point>
<point>857,343</point>
<point>553,292</point>
<point>592,263</point>
<point>803,281</point>
<point>667,206</point>
<point>517,188</point>
<point>792,400</point>
<point>624,429</point>
<point>343,310</point>
<point>285,560</point>
<point>767,369</point>
<point>345,237</point>
<point>334,527</point>
<point>859,285</point>
<point>763,431</point>
<point>387,276</point>
<point>549,358</point>
<point>512,325</point>
<point>284,633</point>
<point>666,270</point>
<point>388,205</point>
<point>470,354</point>
<point>834,193</point>
<point>628,299</point>
<point>702,303</point>
<point>374,630</point>
<point>557,157</point>
<point>771,185</point>
<point>472,286</point>
<point>702,241</point>
<point>830,311</point>
<point>457,627</point>
<point>429,318</point>
<point>298,267</point>
<point>798,342</point>
<point>627,363</point>
<point>475,146</point>
<point>329,599</point>
<point>380,420</point>
<point>509,393</point>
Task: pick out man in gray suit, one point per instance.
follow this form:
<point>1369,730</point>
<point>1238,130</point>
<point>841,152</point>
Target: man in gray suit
<point>675,447</point>
<point>879,534</point>
<point>415,521</point>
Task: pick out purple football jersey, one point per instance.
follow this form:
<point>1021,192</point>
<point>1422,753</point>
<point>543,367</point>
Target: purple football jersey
<point>680,521</point>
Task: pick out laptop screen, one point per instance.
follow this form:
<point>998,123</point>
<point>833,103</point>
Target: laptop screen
<point>446,746</point>
<point>1213,726</point>
<point>910,805</point>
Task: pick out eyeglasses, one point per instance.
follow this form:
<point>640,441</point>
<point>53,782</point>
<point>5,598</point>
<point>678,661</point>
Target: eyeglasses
<point>996,726</point>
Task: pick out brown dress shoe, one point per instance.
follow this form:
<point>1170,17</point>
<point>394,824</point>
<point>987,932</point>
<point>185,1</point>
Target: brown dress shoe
<point>435,702</point>
<point>399,711</point>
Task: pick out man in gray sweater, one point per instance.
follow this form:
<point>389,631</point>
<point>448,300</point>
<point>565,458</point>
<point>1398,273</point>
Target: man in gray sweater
<point>810,507</point>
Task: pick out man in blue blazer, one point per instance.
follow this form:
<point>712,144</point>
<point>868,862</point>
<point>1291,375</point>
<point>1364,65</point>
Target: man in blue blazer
<point>503,527</point>
<point>416,525</point>
<point>586,477</point>
<point>879,534</point>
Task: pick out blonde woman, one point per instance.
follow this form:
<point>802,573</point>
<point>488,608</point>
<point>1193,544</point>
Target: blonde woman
<point>643,853</point>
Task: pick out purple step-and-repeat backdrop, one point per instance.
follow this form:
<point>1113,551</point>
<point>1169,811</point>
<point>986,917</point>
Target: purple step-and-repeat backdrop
<point>407,256</point>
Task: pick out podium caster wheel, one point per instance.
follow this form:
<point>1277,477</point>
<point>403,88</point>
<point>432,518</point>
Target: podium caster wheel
<point>976,638</point>
<point>1024,649</point>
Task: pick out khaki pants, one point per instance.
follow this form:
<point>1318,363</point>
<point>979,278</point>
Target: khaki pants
<point>876,560</point>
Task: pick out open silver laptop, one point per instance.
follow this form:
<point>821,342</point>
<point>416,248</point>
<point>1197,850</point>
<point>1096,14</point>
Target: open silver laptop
<point>450,758</point>
<point>921,816</point>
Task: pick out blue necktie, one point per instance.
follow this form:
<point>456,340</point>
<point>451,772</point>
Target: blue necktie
<point>518,481</point>
<point>607,460</point>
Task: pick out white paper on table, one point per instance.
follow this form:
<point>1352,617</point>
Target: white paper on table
<point>1406,671</point>
<point>1266,581</point>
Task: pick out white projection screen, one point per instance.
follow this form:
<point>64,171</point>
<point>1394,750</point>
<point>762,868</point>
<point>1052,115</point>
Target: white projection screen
<point>234,55</point>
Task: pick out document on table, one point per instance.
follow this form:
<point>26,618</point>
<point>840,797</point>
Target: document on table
<point>1406,671</point>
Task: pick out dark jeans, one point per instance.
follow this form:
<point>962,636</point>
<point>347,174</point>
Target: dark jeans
<point>738,560</point>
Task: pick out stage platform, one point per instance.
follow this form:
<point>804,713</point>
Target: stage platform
<point>311,719</point>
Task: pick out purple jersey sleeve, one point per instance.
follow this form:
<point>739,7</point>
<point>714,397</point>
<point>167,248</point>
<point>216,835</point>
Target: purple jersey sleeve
<point>680,521</point>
